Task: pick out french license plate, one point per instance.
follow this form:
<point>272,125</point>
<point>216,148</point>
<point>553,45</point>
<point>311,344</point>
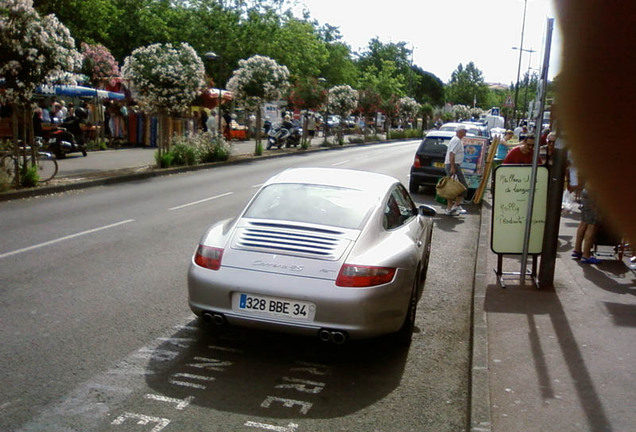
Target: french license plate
<point>272,306</point>
<point>438,164</point>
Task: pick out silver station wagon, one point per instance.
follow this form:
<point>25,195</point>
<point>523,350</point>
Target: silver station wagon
<point>326,252</point>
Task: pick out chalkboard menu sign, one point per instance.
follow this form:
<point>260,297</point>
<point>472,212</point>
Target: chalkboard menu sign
<point>510,209</point>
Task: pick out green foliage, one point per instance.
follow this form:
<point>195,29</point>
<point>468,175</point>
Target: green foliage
<point>183,154</point>
<point>467,86</point>
<point>401,134</point>
<point>258,150</point>
<point>427,87</point>
<point>163,159</point>
<point>197,148</point>
<point>29,176</point>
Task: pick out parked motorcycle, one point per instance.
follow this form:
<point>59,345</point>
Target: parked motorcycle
<point>69,138</point>
<point>277,136</point>
<point>294,137</point>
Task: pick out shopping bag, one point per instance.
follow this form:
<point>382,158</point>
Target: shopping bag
<point>449,187</point>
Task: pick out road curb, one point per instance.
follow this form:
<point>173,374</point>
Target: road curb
<point>480,417</point>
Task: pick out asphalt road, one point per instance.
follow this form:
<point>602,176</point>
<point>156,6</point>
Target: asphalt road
<point>97,334</point>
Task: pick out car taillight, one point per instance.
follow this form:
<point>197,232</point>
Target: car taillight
<point>416,162</point>
<point>364,276</point>
<point>208,257</point>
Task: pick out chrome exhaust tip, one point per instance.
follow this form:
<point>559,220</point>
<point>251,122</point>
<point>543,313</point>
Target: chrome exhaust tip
<point>324,335</point>
<point>338,337</point>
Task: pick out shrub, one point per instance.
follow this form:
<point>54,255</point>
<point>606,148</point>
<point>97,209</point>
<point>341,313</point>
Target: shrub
<point>164,160</point>
<point>210,148</point>
<point>198,148</point>
<point>183,154</point>
<point>29,175</point>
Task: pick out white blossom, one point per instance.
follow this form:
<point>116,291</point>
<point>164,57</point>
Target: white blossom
<point>259,78</point>
<point>342,100</point>
<point>163,77</point>
<point>33,51</point>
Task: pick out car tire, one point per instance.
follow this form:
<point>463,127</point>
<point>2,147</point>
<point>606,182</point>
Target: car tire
<point>414,187</point>
<point>405,333</point>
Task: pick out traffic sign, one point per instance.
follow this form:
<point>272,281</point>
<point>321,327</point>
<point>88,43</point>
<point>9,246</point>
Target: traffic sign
<point>509,102</point>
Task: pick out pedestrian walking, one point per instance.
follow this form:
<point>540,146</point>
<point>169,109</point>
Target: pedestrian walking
<point>452,165</point>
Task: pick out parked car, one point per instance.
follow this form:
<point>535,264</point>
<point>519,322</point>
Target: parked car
<point>428,164</point>
<point>333,121</point>
<point>471,128</point>
<point>337,254</point>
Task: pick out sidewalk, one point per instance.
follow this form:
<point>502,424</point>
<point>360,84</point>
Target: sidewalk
<point>562,360</point>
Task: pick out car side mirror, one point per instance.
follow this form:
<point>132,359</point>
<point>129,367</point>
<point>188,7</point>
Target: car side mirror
<point>425,210</point>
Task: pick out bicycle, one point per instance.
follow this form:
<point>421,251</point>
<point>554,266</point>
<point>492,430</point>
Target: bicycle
<point>45,162</point>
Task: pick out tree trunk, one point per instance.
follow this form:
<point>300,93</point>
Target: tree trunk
<point>257,146</point>
<point>16,145</point>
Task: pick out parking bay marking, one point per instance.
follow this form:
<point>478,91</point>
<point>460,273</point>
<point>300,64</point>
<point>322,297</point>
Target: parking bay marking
<point>68,237</point>
<point>201,201</point>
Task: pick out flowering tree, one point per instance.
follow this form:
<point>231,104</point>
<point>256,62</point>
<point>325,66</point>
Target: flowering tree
<point>99,65</point>
<point>164,79</point>
<point>307,94</point>
<point>461,112</point>
<point>33,51</point>
<point>259,79</point>
<point>342,100</point>
<point>368,104</point>
<point>408,107</point>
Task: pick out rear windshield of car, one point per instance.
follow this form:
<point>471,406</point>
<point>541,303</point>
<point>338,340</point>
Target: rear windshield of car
<point>313,204</point>
<point>433,145</point>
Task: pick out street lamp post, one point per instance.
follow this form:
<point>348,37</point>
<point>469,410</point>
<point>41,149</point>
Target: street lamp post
<point>210,55</point>
<point>530,51</point>
<point>523,28</point>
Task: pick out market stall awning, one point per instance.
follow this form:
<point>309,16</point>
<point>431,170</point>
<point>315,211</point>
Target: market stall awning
<point>77,91</point>
<point>211,96</point>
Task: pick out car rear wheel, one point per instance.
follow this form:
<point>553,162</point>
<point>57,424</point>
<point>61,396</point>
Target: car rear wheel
<point>405,334</point>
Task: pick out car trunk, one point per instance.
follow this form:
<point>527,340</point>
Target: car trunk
<point>289,248</point>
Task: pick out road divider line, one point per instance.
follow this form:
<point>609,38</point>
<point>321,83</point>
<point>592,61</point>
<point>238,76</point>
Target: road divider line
<point>200,201</point>
<point>61,239</point>
<point>341,163</point>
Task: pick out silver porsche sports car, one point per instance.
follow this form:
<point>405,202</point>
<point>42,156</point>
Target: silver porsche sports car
<point>328,252</point>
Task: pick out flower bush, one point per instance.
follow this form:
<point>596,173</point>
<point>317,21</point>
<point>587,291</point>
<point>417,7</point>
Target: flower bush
<point>33,51</point>
<point>99,65</point>
<point>164,78</point>
<point>194,149</point>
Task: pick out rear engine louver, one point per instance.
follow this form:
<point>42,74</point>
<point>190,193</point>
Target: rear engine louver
<point>292,240</point>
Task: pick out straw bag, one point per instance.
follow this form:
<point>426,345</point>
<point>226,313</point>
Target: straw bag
<point>449,187</point>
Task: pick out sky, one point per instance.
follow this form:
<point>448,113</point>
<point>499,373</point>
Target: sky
<point>445,33</point>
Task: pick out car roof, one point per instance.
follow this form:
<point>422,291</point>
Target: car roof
<point>368,182</point>
<point>440,134</point>
<point>445,134</point>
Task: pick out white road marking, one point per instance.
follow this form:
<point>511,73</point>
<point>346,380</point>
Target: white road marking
<point>201,201</point>
<point>68,237</point>
<point>341,163</point>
